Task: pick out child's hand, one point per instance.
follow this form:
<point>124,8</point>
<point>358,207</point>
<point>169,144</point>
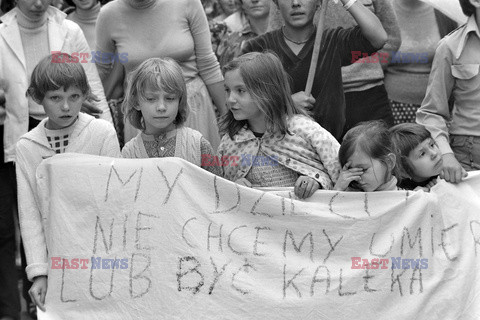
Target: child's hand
<point>347,175</point>
<point>300,99</point>
<point>38,291</point>
<point>452,170</point>
<point>431,184</point>
<point>244,182</point>
<point>305,187</point>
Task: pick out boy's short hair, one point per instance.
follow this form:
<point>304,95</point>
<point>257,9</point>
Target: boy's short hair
<point>50,75</point>
<point>406,137</point>
<point>467,8</point>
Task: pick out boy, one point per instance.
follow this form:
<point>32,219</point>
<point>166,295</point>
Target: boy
<point>61,89</point>
<point>456,75</point>
<point>294,42</point>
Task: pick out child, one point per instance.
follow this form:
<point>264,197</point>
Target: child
<point>455,77</point>
<point>419,160</point>
<point>367,159</point>
<point>156,103</point>
<point>61,89</point>
<point>276,143</point>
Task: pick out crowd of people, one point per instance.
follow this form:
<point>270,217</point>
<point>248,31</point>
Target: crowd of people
<point>395,100</point>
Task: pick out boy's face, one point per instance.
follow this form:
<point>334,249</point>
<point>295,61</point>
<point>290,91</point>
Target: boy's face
<point>425,160</point>
<point>297,13</point>
<point>62,107</point>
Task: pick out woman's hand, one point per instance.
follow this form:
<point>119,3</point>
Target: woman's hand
<point>305,187</point>
<point>347,175</point>
<point>244,182</point>
<point>38,291</point>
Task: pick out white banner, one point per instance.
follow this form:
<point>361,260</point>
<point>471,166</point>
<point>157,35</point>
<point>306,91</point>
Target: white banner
<point>163,239</point>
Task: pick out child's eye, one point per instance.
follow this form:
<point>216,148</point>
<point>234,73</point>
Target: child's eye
<point>171,98</point>
<point>150,99</point>
<point>55,98</point>
<point>240,91</point>
<point>74,96</point>
<point>227,90</point>
<point>421,154</point>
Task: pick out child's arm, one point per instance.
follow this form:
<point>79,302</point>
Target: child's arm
<point>371,27</point>
<point>427,187</point>
<point>326,147</point>
<point>305,187</point>
<point>30,218</point>
<point>434,112</point>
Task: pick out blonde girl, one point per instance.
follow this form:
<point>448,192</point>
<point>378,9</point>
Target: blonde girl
<point>156,103</point>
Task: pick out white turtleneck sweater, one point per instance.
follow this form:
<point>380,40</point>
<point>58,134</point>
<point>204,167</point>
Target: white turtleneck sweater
<point>86,19</point>
<point>35,46</point>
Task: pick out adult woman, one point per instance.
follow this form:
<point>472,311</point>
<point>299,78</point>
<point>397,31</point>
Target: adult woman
<point>142,29</point>
<point>85,14</point>
<point>406,77</point>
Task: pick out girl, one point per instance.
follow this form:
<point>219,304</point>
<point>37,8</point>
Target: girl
<point>419,160</point>
<point>276,142</point>
<point>156,103</point>
<point>367,159</point>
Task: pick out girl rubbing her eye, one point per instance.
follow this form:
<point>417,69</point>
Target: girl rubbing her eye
<point>367,159</point>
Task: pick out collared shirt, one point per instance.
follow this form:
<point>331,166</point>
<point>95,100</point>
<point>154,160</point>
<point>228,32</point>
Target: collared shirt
<point>455,74</point>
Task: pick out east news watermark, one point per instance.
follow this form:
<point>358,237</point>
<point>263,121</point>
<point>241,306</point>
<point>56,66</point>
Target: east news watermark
<point>89,57</point>
<point>244,160</point>
<point>88,263</point>
<point>397,263</point>
<point>386,57</point>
